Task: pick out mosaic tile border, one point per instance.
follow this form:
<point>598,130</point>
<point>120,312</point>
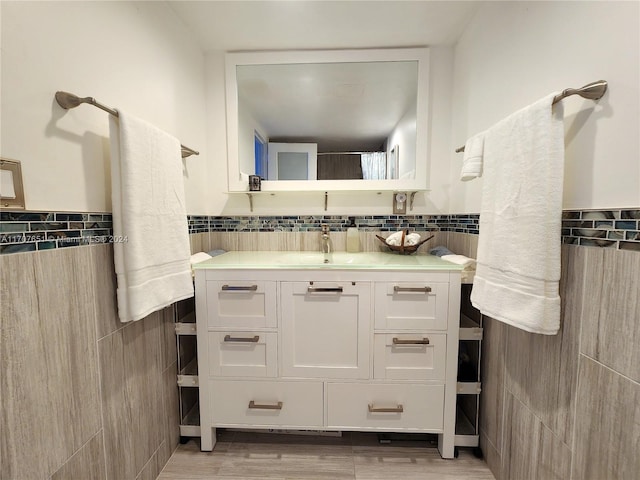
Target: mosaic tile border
<point>30,231</point>
<point>602,228</point>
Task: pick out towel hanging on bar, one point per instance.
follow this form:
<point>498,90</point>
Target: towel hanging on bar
<point>68,100</point>
<point>591,91</point>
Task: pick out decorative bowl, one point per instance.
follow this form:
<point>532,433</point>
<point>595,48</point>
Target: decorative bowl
<point>403,249</point>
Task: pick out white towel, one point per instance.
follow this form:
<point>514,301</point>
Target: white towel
<point>395,239</point>
<point>152,262</point>
<point>468,263</point>
<point>518,265</point>
<point>199,257</point>
<point>472,160</point>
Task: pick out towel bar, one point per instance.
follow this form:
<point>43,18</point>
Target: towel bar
<point>68,100</point>
<point>591,91</point>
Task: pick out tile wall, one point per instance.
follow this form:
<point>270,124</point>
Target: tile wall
<point>98,399</point>
<point>31,231</point>
<point>565,407</point>
<point>83,396</point>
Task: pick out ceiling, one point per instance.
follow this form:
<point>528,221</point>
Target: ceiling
<point>273,25</point>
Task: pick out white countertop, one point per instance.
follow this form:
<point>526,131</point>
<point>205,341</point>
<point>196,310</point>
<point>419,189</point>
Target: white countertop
<point>316,260</point>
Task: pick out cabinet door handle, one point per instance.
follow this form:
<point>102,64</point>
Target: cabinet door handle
<point>277,406</point>
<point>396,288</point>
<point>254,339</point>
<point>424,341</point>
<point>324,289</point>
<point>239,288</point>
<point>398,409</point>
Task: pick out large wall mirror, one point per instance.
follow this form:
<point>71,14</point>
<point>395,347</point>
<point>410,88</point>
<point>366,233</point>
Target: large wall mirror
<point>328,120</point>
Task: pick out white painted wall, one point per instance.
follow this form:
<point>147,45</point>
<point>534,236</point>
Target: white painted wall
<point>247,126</point>
<point>138,57</point>
<point>404,136</point>
<point>513,53</point>
<point>131,55</point>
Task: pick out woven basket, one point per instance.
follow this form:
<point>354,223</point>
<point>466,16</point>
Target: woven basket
<point>403,249</point>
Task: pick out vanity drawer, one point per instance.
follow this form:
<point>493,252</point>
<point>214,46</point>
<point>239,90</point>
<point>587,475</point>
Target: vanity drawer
<point>243,354</point>
<point>385,406</point>
<point>411,306</point>
<point>242,304</point>
<point>266,403</point>
<point>409,356</point>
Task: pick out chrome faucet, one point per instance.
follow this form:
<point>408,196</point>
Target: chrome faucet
<point>326,242</point>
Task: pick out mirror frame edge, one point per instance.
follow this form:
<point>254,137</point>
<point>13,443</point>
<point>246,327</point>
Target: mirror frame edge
<point>419,54</point>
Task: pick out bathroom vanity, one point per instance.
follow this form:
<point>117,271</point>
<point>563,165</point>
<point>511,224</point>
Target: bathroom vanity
<point>331,342</point>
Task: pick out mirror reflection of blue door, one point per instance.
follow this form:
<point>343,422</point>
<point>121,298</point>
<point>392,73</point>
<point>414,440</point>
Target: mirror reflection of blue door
<point>260,155</point>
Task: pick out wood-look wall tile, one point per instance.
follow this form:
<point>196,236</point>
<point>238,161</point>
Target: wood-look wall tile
<point>153,467</point>
<point>542,369</point>
<point>132,387</point>
<point>169,353</point>
<point>531,451</point>
<point>223,241</point>
<point>86,463</point>
<point>116,410</point>
<point>607,424</point>
<point>196,241</point>
<point>171,412</point>
<point>105,286</point>
<point>473,246</point>
<point>200,242</point>
<point>458,243</point>
<point>49,381</point>
<point>592,301</point>
<point>275,241</point>
<point>22,388</point>
<point>491,456</point>
<point>613,337</point>
<point>492,369</point>
<point>310,242</point>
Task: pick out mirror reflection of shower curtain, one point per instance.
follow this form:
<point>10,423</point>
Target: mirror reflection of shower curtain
<point>374,165</point>
<point>338,166</point>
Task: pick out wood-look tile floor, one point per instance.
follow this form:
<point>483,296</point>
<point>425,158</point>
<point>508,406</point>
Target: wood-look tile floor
<point>359,456</point>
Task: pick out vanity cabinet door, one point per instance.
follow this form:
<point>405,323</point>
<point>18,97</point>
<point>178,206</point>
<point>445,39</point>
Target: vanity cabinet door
<point>325,329</point>
<point>411,305</point>
<point>242,304</point>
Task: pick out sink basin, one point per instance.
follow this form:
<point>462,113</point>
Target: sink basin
<point>319,258</point>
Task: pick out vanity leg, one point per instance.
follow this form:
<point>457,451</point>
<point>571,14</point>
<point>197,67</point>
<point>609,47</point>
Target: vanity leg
<point>446,445</point>
<point>207,439</point>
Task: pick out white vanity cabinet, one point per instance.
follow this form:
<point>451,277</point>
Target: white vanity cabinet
<point>328,347</point>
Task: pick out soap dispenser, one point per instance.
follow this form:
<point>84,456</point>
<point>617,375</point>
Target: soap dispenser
<point>353,237</point>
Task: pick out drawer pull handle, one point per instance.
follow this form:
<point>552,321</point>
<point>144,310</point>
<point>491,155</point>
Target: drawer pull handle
<point>324,289</point>
<point>398,409</point>
<point>261,406</point>
<point>239,288</point>
<point>424,341</point>
<point>396,288</point>
<point>254,339</point>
